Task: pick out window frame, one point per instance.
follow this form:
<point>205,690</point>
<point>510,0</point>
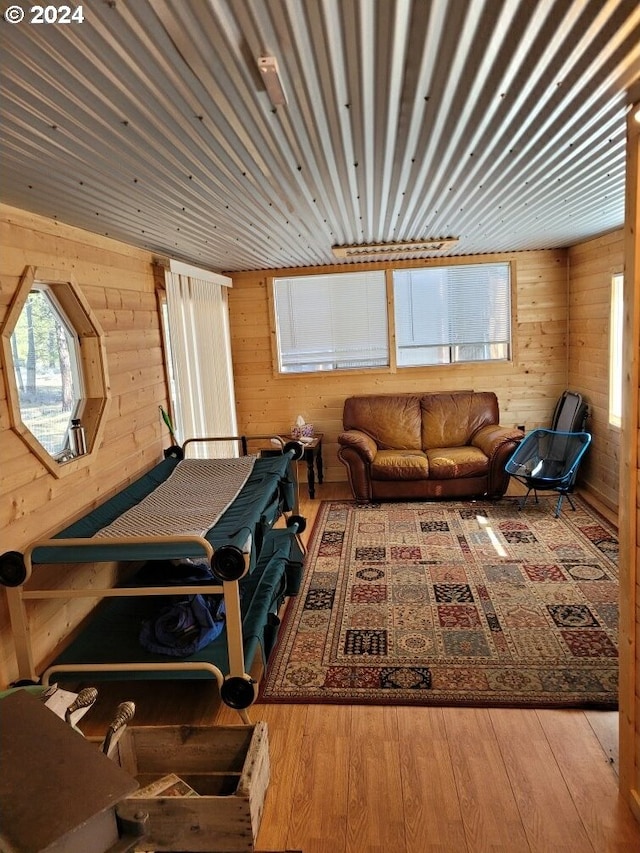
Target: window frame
<point>75,364</point>
<point>93,364</point>
<point>446,306</point>
<point>616,351</point>
<point>388,270</point>
<point>275,329</point>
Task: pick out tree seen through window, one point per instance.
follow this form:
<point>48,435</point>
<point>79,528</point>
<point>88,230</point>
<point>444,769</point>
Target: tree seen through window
<point>46,365</point>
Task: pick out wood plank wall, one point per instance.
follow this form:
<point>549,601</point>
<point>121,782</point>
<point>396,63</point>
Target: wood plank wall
<point>591,267</point>
<point>118,283</point>
<point>630,485</point>
<point>527,388</point>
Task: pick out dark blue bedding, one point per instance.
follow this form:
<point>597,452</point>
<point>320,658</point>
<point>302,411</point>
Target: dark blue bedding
<point>268,492</point>
<point>112,634</point>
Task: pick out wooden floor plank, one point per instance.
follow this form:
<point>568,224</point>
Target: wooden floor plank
<point>591,782</point>
<point>490,813</point>
<point>376,810</point>
<point>537,783</point>
<point>157,703</point>
<point>286,733</point>
<point>320,796</point>
<point>433,818</point>
<point>605,724</point>
<point>359,779</point>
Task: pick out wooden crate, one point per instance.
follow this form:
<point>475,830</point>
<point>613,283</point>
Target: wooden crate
<point>228,766</point>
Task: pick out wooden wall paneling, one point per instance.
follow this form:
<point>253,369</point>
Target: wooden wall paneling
<point>540,342</point>
<point>591,266</point>
<point>630,487</point>
<point>16,470</point>
<point>527,388</point>
<point>117,282</point>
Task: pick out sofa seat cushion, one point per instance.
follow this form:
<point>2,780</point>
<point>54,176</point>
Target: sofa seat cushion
<point>448,463</point>
<point>399,465</point>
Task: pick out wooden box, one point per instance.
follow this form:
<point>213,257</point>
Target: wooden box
<point>227,766</point>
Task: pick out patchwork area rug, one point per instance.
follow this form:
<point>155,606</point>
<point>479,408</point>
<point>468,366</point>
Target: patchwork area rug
<point>458,603</point>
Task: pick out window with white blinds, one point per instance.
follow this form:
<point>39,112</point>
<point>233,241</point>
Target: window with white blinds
<point>452,314</point>
<point>331,322</point>
<point>616,329</point>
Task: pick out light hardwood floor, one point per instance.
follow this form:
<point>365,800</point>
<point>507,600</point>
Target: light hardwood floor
<point>369,779</point>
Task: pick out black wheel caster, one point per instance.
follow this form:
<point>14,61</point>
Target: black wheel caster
<point>298,520</point>
<point>174,452</point>
<point>296,448</point>
<point>228,563</point>
<point>238,692</point>
<point>13,571</point>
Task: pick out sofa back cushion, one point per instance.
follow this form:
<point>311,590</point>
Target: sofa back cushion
<point>392,420</point>
<point>450,420</point>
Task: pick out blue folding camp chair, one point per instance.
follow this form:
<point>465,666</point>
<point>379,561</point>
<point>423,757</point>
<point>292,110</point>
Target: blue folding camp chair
<point>548,460</point>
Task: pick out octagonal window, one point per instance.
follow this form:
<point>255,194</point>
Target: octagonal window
<point>48,370</point>
<point>55,366</point>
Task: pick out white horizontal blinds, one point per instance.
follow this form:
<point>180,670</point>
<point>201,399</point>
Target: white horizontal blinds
<point>456,313</point>
<point>480,299</point>
<point>331,322</point>
<point>200,348</point>
<point>421,316</point>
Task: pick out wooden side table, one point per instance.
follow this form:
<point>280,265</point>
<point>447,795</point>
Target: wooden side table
<point>313,457</point>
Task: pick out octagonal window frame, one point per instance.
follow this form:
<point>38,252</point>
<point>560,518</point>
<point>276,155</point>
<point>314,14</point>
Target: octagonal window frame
<point>48,416</point>
<point>92,359</point>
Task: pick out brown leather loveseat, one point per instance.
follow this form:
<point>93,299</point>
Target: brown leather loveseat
<point>404,446</point>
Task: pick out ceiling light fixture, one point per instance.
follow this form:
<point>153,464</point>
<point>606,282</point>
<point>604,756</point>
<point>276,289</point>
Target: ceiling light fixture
<point>268,66</point>
<point>416,248</point>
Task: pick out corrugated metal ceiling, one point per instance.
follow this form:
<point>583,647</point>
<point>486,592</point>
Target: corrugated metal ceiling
<point>501,122</point>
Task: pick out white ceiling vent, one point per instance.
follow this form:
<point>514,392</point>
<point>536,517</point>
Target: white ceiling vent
<point>377,250</point>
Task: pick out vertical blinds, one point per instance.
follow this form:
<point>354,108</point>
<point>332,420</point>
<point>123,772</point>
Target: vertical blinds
<point>200,347</point>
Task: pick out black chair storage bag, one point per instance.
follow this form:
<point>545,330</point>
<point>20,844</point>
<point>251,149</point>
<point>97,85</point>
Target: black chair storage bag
<point>570,414</point>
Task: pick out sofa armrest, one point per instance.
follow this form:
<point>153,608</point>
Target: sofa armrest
<point>489,438</point>
<point>356,451</point>
<point>363,444</point>
<point>497,443</point>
